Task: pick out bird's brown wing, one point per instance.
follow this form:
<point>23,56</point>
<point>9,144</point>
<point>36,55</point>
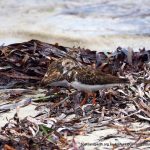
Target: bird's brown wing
<point>95,77</point>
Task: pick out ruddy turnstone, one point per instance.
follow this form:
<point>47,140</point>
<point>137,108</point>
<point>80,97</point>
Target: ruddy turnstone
<point>80,77</point>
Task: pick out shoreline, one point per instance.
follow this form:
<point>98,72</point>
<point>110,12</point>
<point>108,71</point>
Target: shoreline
<point>99,43</point>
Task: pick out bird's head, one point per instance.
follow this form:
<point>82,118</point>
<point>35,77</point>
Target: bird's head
<point>68,65</point>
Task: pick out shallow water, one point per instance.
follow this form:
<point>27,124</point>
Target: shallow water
<point>89,23</point>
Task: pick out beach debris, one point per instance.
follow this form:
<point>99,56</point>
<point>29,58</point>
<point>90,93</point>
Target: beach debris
<point>125,109</point>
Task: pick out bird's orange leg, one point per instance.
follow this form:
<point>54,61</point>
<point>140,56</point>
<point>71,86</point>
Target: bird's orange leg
<point>84,100</point>
<point>87,95</point>
<point>94,99</point>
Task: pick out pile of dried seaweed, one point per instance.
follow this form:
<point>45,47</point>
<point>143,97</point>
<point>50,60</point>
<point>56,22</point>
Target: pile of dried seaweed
<point>23,66</point>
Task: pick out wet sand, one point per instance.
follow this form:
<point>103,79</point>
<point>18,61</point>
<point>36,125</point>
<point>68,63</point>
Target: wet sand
<point>101,43</point>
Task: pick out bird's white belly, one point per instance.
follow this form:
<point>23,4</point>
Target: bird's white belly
<point>84,87</point>
<point>63,83</point>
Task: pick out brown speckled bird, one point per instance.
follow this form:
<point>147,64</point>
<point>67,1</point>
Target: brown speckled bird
<point>80,77</point>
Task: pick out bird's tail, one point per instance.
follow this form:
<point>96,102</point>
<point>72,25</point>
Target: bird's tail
<point>146,81</point>
<point>124,80</point>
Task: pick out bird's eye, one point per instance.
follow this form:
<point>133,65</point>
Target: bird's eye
<point>67,63</point>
